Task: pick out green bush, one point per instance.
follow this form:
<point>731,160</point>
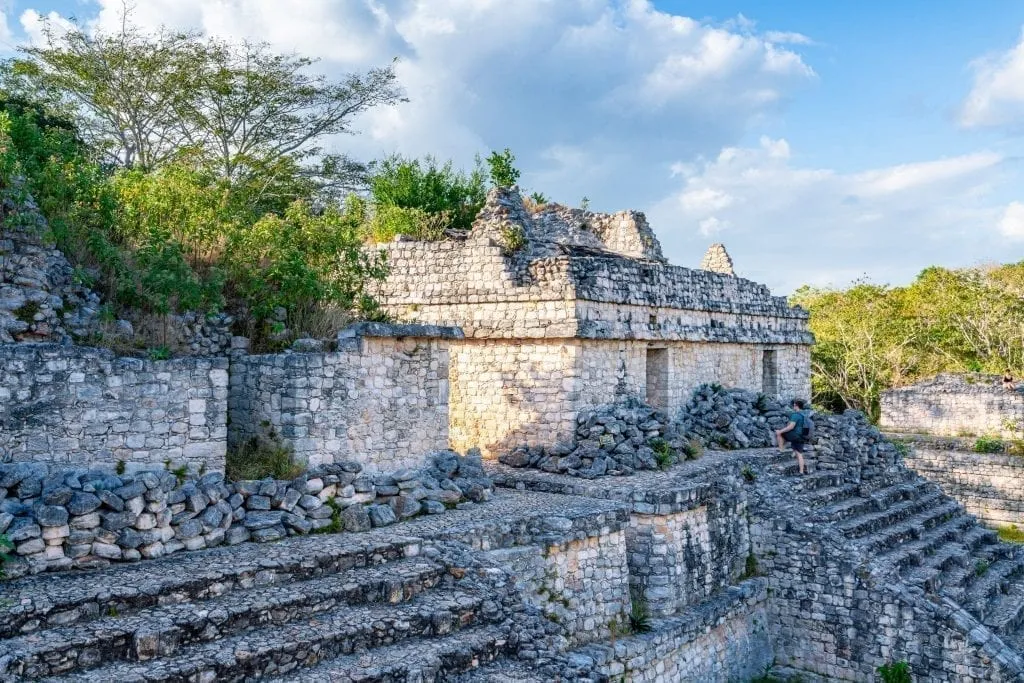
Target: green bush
<point>502,168</point>
<point>987,444</point>
<point>639,613</point>
<point>664,454</point>
<point>429,188</point>
<point>259,458</point>
<point>898,672</point>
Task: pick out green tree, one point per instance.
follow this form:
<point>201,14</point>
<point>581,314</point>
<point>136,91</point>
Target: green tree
<point>502,168</point>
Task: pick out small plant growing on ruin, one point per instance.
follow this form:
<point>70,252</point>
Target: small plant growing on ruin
<point>1015,447</point>
<point>513,238</point>
<point>1011,534</point>
<point>981,568</point>
<point>5,553</point>
<point>119,467</point>
<point>26,313</point>
<point>901,447</point>
<point>748,474</point>
<point>639,613</point>
<point>112,611</point>
<point>897,672</point>
<point>335,526</point>
<point>259,458</point>
<point>761,404</point>
<point>693,449</point>
<point>180,473</point>
<point>664,454</point>
<point>159,353</point>
<point>751,569</point>
<point>987,444</point>
<point>502,169</point>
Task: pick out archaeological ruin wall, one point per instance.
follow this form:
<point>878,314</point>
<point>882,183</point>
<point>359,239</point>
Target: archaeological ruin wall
<point>75,406</point>
<point>954,405</point>
<point>381,400</point>
<point>569,320</point>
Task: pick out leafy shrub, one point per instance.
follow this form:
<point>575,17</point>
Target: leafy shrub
<point>5,547</point>
<point>693,449</point>
<point>748,474</point>
<point>259,458</point>
<point>429,189</point>
<point>159,353</point>
<point>513,238</point>
<point>898,672</point>
<point>981,567</point>
<point>502,168</point>
<point>26,313</point>
<point>664,454</point>
<point>987,444</point>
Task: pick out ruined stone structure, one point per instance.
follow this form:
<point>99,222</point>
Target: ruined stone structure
<point>72,406</point>
<point>564,310</point>
<point>380,400</point>
<point>717,260</point>
<point>941,420</point>
<point>954,405</point>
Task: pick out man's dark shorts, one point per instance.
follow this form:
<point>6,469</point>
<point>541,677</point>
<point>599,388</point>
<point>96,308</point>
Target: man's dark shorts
<point>797,444</point>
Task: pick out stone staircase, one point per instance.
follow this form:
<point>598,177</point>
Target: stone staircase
<point>363,611</point>
<point>922,536</point>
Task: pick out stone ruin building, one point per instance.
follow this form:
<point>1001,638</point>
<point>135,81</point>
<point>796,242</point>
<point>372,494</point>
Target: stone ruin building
<point>565,309</point>
<point>392,558</point>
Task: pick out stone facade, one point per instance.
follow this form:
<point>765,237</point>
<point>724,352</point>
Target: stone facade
<point>381,400</point>
<point>75,406</point>
<point>717,260</point>
<point>988,485</point>
<point>954,405</point>
<point>572,314</point>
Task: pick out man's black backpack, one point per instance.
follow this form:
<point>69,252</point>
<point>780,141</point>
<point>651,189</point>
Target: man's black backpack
<point>808,430</point>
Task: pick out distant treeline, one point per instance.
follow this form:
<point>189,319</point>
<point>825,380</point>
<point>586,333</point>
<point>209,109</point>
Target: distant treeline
<point>872,337</point>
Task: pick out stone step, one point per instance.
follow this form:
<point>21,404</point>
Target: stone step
<point>1005,614</point>
<point>273,649</point>
<point>847,509</point>
<point>832,494</point>
<point>865,524</point>
<point>990,580</point>
<point>49,600</point>
<point>163,631</point>
<point>979,537</point>
<point>420,660</point>
<point>889,538</point>
<point>915,552</point>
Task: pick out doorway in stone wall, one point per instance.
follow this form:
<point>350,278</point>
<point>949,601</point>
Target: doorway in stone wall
<point>657,378</point>
<point>770,373</point>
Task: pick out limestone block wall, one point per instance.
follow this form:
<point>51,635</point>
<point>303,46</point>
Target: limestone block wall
<point>683,558</point>
<point>988,485</point>
<point>70,405</point>
<point>381,401</point>
<point>832,619</point>
<point>954,405</point>
<point>508,393</point>
<point>729,639</point>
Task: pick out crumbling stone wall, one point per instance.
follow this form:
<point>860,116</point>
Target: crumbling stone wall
<point>71,405</point>
<point>954,405</point>
<point>988,485</point>
<point>381,400</point>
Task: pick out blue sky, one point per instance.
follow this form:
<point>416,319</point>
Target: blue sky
<point>820,141</point>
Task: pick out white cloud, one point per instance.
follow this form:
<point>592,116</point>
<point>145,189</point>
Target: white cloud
<point>787,225</point>
<point>997,95</point>
<point>1012,222</point>
<point>618,83</point>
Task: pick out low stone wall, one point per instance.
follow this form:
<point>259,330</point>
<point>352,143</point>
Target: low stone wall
<point>381,400</point>
<point>954,405</point>
<point>988,485</point>
<point>728,639</point>
<point>71,405</point>
<point>89,518</point>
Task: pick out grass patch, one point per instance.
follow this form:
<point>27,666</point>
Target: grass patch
<point>694,449</point>
<point>749,475</point>
<point>259,458</point>
<point>639,613</point>
<point>1011,533</point>
<point>335,526</point>
<point>902,447</point>
<point>896,672</point>
<point>159,353</point>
